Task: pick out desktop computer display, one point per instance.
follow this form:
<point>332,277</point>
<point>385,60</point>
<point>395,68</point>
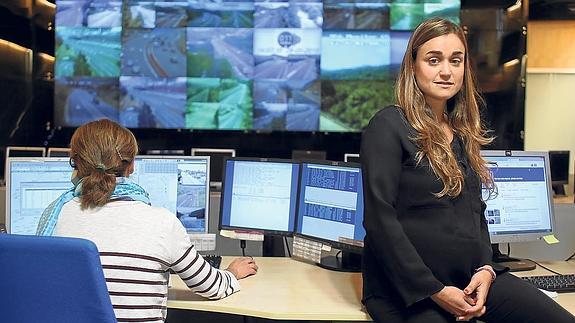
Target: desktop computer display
<point>520,208</point>
<point>58,152</point>
<point>179,184</point>
<point>559,164</point>
<point>217,157</point>
<point>31,185</point>
<point>330,208</point>
<point>259,195</point>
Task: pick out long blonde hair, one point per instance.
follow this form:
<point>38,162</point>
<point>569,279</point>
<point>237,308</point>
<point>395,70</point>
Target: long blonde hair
<point>464,115</point>
<point>101,151</point>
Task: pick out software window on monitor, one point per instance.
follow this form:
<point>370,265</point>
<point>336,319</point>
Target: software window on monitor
<point>31,185</point>
<point>260,195</point>
<point>179,184</point>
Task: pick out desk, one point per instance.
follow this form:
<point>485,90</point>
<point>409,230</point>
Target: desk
<point>283,289</point>
<point>286,289</point>
<point>567,300</point>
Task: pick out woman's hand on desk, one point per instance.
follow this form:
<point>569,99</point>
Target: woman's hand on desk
<point>243,267</point>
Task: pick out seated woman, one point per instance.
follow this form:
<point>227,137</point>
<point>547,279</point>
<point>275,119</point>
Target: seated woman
<point>138,243</point>
<point>427,254</point>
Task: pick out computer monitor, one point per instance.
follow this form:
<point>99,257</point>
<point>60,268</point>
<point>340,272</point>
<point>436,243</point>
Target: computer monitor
<point>165,152</point>
<point>559,163</point>
<point>179,184</point>
<point>330,209</point>
<point>58,152</point>
<point>351,158</point>
<point>259,194</point>
<point>308,154</point>
<point>20,151</point>
<point>32,183</point>
<point>13,151</point>
<point>520,207</point>
<point>217,157</point>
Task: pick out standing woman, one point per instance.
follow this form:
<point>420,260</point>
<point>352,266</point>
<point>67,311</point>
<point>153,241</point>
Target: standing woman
<point>427,254</point>
<point>138,243</point>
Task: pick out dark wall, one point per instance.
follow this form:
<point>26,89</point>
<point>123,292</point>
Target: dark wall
<point>497,44</point>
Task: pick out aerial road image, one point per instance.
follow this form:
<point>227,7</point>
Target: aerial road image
<point>219,104</point>
<point>156,52</point>
<point>288,15</point>
<point>89,13</point>
<point>147,102</point>
<point>88,52</point>
<point>363,15</point>
<point>205,13</point>
<point>82,99</point>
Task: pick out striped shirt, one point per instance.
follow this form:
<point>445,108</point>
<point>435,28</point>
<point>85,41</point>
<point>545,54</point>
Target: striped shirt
<point>138,245</point>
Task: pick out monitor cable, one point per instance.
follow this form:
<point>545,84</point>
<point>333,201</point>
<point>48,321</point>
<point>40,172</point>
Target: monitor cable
<point>546,268</point>
<point>570,257</point>
<point>243,246</point>
<point>287,246</point>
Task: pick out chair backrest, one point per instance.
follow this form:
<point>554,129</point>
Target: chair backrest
<point>52,279</point>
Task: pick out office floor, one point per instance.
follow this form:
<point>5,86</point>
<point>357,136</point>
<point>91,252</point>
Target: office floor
<point>186,316</point>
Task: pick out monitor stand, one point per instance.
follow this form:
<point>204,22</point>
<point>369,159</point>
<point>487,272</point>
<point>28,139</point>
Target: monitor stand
<point>514,264</point>
<point>347,262</point>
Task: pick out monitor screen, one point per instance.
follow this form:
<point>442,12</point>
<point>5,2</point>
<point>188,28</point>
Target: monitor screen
<point>178,184</point>
<point>31,185</point>
<point>559,163</point>
<point>351,158</point>
<point>217,157</point>
<point>330,204</point>
<point>520,208</point>
<point>259,194</point>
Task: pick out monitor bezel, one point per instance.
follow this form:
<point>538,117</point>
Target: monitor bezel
<point>347,155</point>
<point>21,148</point>
<point>172,157</point>
<point>334,244</point>
<point>286,233</point>
<point>9,161</point>
<point>508,237</point>
<point>58,149</point>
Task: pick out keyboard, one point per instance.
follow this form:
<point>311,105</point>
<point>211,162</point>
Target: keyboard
<point>554,283</point>
<point>213,260</point>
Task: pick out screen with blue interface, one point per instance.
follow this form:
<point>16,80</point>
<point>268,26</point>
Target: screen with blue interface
<point>304,65</point>
<point>331,203</point>
<point>179,184</point>
<point>32,184</point>
<point>520,208</point>
<point>259,195</point>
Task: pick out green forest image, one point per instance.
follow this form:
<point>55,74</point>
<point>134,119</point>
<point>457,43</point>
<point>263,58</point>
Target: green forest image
<point>202,64</point>
<point>349,105</point>
<point>406,16</point>
<point>215,103</point>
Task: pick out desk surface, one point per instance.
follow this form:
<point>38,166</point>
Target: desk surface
<point>567,300</point>
<point>286,289</point>
<point>283,289</point>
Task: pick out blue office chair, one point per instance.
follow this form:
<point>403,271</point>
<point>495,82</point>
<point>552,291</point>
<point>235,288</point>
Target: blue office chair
<point>52,279</point>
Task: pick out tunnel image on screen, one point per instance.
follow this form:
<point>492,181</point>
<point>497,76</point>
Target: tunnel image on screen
<point>305,65</point>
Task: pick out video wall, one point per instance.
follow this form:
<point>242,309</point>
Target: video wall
<point>299,65</point>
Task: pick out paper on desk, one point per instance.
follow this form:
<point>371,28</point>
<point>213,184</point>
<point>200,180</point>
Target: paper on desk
<point>549,293</point>
<point>243,235</point>
<point>550,239</point>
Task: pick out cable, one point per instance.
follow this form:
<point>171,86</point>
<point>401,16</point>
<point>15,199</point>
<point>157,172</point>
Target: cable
<point>287,246</point>
<point>508,249</point>
<point>570,257</point>
<point>243,246</point>
<point>338,253</point>
<point>546,268</point>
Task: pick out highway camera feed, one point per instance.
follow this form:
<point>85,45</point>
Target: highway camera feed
<point>272,65</point>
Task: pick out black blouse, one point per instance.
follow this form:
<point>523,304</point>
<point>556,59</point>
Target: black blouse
<point>416,243</point>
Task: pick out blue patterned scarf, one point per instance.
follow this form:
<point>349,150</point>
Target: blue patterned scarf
<point>125,189</point>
